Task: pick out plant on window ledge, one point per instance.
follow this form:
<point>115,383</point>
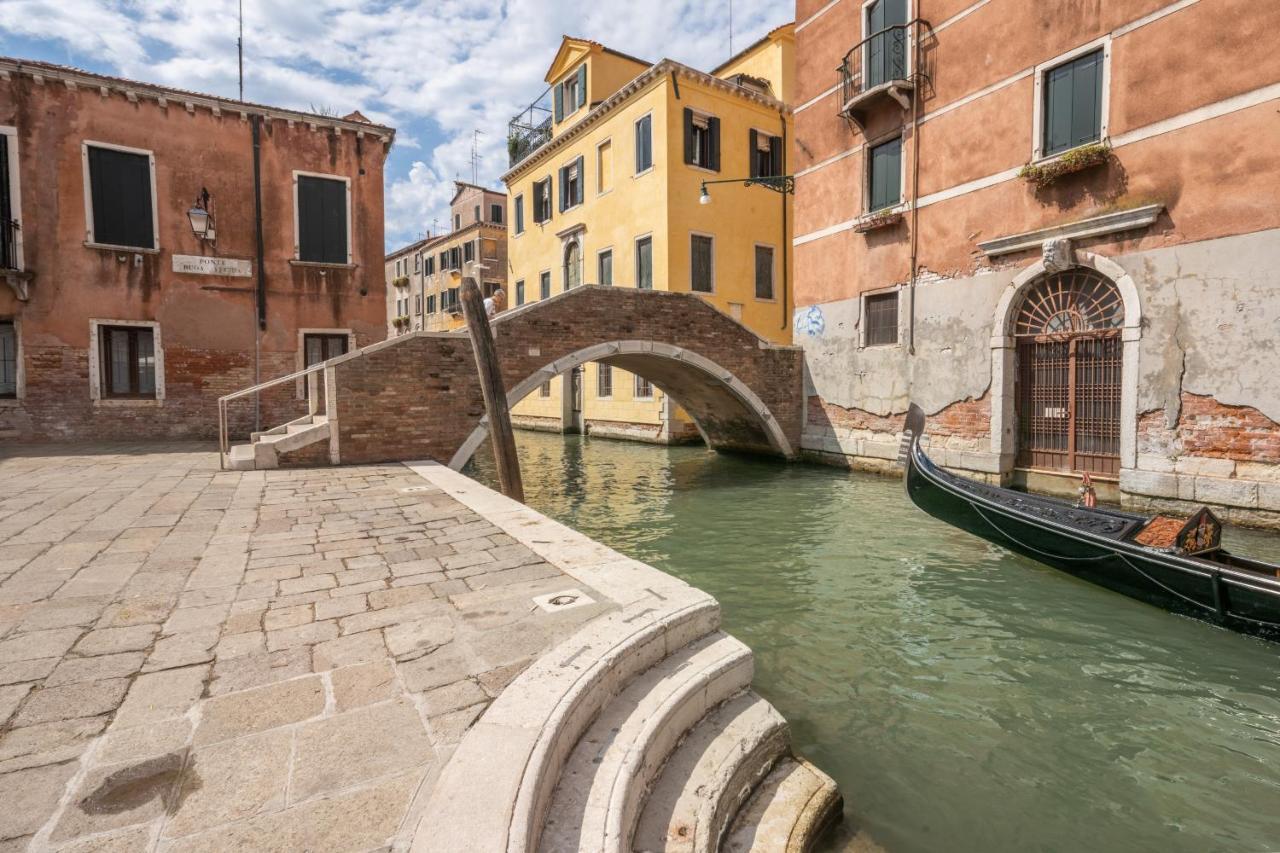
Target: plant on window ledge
<point>1076,160</point>
<point>877,219</point>
<point>402,281</point>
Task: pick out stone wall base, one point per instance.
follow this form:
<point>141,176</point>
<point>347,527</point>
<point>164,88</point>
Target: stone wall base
<point>536,423</point>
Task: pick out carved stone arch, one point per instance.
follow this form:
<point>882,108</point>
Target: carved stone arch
<point>1003,432</point>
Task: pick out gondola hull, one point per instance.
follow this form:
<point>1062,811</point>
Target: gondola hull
<point>1093,544</point>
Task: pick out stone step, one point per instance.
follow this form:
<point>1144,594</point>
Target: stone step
<point>710,775</point>
<point>240,458</point>
<point>598,797</point>
<point>788,811</point>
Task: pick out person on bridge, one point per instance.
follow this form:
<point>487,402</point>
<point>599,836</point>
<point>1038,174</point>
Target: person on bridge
<point>496,303</point>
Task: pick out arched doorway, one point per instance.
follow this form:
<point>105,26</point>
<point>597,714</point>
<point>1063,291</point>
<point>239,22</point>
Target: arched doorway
<point>1069,367</point>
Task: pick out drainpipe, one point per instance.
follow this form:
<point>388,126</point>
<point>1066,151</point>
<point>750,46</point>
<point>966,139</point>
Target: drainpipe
<point>786,320</point>
<point>915,192</point>
<point>255,122</point>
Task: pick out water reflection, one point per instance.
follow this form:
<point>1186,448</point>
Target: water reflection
<point>963,697</point>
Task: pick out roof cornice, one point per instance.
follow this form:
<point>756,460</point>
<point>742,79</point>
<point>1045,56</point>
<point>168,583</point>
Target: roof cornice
<point>649,75</point>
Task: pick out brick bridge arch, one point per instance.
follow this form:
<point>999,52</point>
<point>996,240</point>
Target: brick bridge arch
<point>417,396</point>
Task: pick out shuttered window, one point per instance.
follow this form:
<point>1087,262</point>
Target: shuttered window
<point>542,200</point>
<point>885,175</point>
<point>604,381</point>
<point>765,153</point>
<point>322,220</point>
<point>882,319</point>
<point>644,263</point>
<point>604,166</point>
<point>764,272</point>
<point>8,238</point>
<point>520,292</point>
<point>604,267</point>
<point>644,144</point>
<point>544,285</point>
<point>519,214</point>
<point>8,357</point>
<point>1073,103</point>
<point>886,48</point>
<point>701,259</point>
<point>120,195</point>
<point>701,140</point>
<point>127,361</point>
<point>495,214</point>
<point>468,252</point>
<point>571,185</point>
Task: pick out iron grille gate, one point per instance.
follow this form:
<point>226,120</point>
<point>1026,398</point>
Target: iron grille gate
<point>1069,357</point>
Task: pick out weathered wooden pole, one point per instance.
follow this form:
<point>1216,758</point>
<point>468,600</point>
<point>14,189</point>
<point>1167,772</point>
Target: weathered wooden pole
<point>495,395</point>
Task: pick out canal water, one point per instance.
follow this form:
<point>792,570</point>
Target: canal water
<point>964,698</point>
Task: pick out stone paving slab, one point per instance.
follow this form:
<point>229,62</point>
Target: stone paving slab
<point>194,659</point>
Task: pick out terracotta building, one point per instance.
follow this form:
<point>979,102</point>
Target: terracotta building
<point>423,278</point>
<point>162,248</point>
<point>1056,229</point>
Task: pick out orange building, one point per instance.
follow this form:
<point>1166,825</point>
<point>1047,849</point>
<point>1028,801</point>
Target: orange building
<point>161,248</point>
<point>1054,228</point>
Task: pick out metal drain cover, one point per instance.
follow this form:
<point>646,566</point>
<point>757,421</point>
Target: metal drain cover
<point>564,600</point>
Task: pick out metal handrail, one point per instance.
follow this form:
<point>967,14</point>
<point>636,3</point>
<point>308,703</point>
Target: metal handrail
<point>313,391</point>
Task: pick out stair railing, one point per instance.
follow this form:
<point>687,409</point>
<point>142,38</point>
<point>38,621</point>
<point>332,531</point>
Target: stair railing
<point>313,375</point>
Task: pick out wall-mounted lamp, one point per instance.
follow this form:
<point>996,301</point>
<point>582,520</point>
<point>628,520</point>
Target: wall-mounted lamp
<point>785,184</point>
<point>201,218</point>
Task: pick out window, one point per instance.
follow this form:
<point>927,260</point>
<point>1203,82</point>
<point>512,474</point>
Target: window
<point>571,185</point>
<point>604,381</point>
<point>644,263</point>
<point>1072,103</point>
<point>881,311</point>
<point>488,248</point>
<point>399,268</point>
<point>701,140</point>
<point>572,265</point>
<point>468,252</point>
<point>431,304</point>
<point>764,272</point>
<point>544,285</point>
<point>604,267</point>
<point>417,263</point>
<point>430,265</point>
<point>886,48</point>
<point>701,259</point>
<point>324,346</point>
<point>8,356</point>
<point>542,200</point>
<point>477,213</point>
<point>571,93</point>
<point>323,228</point>
<point>457,221</point>
<point>520,292</point>
<point>519,214</point>
<point>488,288</point>
<point>444,260</point>
<point>604,167</point>
<point>455,257</point>
<point>121,197</point>
<point>495,214</point>
<point>643,388</point>
<point>450,301</point>
<point>544,390</point>
<point>644,144</point>
<point>766,154</point>
<point>10,204</point>
<point>884,175</point>
<point>127,362</point>
<point>417,304</point>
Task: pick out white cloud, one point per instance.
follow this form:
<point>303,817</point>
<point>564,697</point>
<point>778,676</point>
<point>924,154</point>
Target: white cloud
<point>436,70</point>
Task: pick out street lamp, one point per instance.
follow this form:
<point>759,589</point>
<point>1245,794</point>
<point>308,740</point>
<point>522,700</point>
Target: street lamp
<point>785,184</point>
<point>201,218</point>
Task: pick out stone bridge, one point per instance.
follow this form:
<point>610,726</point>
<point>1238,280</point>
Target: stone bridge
<point>417,396</point>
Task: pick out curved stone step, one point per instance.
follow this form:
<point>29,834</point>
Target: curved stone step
<point>710,775</point>
<point>598,798</point>
<point>787,812</point>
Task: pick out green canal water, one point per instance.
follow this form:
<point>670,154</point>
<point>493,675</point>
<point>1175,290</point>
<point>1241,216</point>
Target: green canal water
<point>965,698</point>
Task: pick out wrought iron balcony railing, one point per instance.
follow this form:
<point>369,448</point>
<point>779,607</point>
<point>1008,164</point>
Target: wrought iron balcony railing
<point>8,244</point>
<point>530,130</point>
<point>881,65</point>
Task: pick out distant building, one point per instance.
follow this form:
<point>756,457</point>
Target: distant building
<point>424,278</point>
<point>604,185</point>
<point>1057,231</point>
<point>117,319</point>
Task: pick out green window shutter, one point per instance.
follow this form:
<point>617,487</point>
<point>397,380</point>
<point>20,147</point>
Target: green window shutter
<point>776,164</point>
<point>753,156</point>
<point>120,192</point>
<point>713,135</point>
<point>1073,104</point>
<point>564,185</point>
<point>558,93</point>
<point>886,175</point>
<point>1057,110</point>
<point>582,179</point>
<point>582,84</point>
<point>688,135</point>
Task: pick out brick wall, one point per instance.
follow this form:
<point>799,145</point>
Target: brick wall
<point>968,421</point>
<point>1207,428</point>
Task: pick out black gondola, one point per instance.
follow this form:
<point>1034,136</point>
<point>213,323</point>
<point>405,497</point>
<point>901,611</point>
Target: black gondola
<point>1177,564</point>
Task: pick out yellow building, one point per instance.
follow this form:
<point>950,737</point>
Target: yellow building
<point>607,176</point>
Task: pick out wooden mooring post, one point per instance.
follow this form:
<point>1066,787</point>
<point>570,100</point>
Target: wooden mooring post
<point>495,395</point>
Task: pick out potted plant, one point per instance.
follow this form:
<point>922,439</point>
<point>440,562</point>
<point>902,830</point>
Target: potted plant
<point>1041,175</point>
<point>877,220</point>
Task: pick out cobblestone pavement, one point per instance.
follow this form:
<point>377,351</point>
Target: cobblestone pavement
<point>193,659</point>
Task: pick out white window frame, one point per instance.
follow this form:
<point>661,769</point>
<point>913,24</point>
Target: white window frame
<point>551,204</point>
<point>600,367</point>
<point>900,205</point>
<point>1037,108</point>
<point>297,237</point>
<point>613,172</point>
<point>551,281</point>
<point>773,271</point>
<point>712,238</point>
<point>866,8</point>
<point>89,236</point>
<point>635,260</point>
<point>653,149</point>
<point>15,191</point>
<point>20,374</point>
<point>95,363</point>
<point>609,251</point>
<point>582,181</point>
<point>863,315</point>
<point>518,224</point>
<point>567,110</point>
<point>636,379</point>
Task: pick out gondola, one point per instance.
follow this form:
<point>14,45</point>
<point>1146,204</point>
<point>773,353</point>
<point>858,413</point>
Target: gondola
<point>1175,563</point>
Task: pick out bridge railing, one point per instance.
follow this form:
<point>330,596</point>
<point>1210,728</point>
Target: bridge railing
<point>282,401</point>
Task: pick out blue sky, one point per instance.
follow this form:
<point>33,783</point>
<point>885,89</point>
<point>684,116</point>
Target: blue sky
<point>436,71</point>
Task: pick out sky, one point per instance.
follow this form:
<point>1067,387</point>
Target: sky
<point>436,70</point>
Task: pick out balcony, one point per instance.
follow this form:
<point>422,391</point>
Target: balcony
<point>10,270</point>
<point>881,69</point>
<point>530,130</point>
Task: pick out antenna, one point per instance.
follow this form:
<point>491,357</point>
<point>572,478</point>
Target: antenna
<point>240,50</point>
<point>731,27</point>
<point>475,155</point>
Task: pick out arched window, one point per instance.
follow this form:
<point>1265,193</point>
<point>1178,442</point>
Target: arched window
<point>1069,358</point>
<point>572,265</point>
